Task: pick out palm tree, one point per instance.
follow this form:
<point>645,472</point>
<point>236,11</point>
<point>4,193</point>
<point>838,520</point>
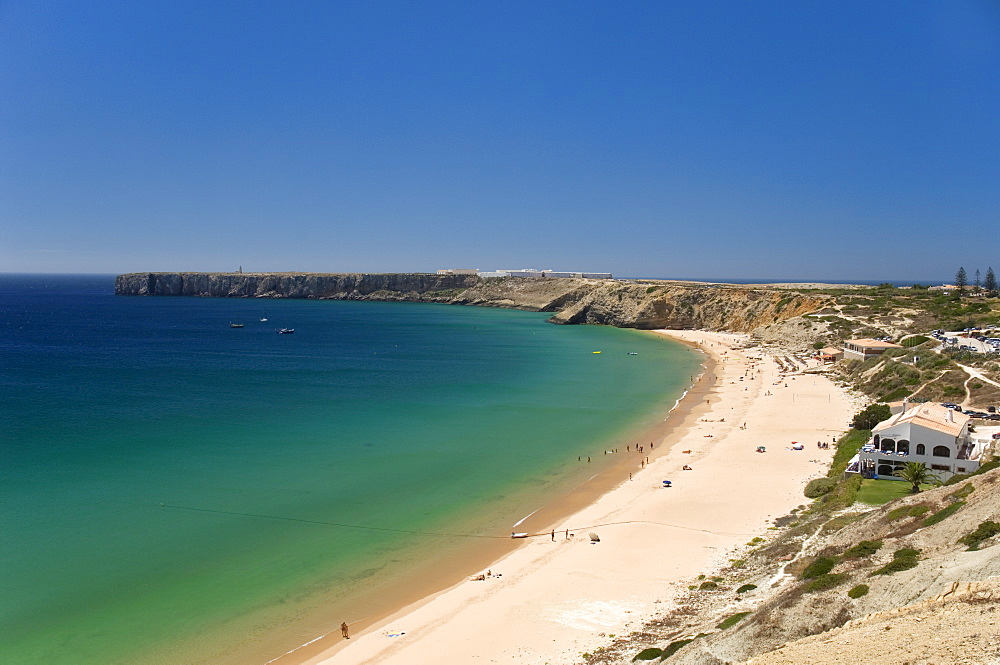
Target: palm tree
<point>917,473</point>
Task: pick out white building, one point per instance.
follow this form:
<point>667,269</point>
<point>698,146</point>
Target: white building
<point>459,271</point>
<point>863,349</point>
<point>531,272</point>
<point>929,433</point>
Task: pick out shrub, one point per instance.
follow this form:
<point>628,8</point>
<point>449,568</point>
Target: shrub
<point>674,647</point>
<point>652,653</point>
<point>843,495</point>
<point>897,513</point>
<point>820,566</point>
<point>918,510</point>
<point>731,621</point>
<point>746,587</point>
<point>757,540</point>
<point>737,563</point>
<point>902,559</point>
<point>820,486</point>
<point>840,522</point>
<point>864,548</point>
<point>708,586</point>
<point>824,582</point>
<point>944,513</point>
<point>858,591</point>
<point>984,531</point>
<point>870,416</point>
<point>962,492</point>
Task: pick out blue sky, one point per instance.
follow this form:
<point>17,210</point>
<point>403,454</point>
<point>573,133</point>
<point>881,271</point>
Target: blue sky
<point>820,140</point>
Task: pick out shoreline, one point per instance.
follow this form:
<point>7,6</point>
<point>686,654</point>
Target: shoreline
<point>558,598</point>
<point>452,570</point>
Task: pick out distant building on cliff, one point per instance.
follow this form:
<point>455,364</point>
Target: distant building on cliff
<point>543,274</point>
<point>459,271</point>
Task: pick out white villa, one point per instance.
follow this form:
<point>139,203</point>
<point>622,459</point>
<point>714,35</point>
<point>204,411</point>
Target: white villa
<point>929,433</point>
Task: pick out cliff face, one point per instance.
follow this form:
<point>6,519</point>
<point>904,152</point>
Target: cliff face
<point>623,304</point>
<point>348,286</point>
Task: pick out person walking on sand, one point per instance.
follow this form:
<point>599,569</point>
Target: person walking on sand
<point>343,630</point>
<point>553,535</point>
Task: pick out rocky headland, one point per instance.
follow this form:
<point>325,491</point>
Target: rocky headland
<point>645,304</point>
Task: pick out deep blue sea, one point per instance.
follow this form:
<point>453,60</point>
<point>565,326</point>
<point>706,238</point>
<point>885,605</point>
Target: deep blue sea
<point>175,490</point>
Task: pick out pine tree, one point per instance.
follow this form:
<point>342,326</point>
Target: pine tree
<point>977,285</point>
<point>961,281</point>
<point>990,283</point>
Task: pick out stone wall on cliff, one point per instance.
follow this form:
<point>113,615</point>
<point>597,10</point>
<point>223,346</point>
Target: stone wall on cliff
<point>646,305</point>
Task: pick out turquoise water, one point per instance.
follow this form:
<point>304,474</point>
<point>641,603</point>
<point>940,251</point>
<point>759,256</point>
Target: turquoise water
<point>147,447</point>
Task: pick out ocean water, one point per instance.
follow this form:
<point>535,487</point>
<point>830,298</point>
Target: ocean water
<point>174,490</point>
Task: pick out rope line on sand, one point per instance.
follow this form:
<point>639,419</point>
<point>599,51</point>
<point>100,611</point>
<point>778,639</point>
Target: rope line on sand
<point>443,534</point>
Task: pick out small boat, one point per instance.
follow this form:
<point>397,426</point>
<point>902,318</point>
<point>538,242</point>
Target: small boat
<point>263,319</point>
<point>235,325</point>
<point>632,353</point>
<point>596,351</point>
<point>286,331</point>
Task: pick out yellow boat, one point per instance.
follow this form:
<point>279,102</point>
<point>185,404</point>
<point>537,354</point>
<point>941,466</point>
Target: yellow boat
<point>596,351</point>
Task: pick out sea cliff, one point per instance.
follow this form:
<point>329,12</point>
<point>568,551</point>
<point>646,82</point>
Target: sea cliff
<point>645,305</point>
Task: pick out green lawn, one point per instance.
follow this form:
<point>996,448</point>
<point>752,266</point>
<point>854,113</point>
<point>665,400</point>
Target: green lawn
<point>878,492</point>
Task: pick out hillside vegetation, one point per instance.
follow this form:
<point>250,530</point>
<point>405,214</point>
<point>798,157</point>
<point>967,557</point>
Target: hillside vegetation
<point>924,370</point>
<point>853,571</point>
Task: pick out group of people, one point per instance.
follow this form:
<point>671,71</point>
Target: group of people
<point>482,576</point>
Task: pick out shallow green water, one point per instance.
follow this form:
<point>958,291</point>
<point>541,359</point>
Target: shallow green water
<point>377,415</point>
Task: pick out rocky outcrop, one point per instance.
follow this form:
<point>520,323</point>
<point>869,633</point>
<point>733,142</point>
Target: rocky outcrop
<point>646,305</point>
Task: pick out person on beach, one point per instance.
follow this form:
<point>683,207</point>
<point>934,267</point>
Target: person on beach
<point>553,535</point>
<point>343,630</point>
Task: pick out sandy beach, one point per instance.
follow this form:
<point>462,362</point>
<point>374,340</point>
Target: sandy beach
<point>558,596</point>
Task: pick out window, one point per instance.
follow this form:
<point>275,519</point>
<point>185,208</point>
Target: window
<point>888,445</point>
<point>902,446</point>
<point>960,469</point>
<point>941,451</point>
<point>921,450</point>
<point>884,470</point>
<point>940,467</point>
